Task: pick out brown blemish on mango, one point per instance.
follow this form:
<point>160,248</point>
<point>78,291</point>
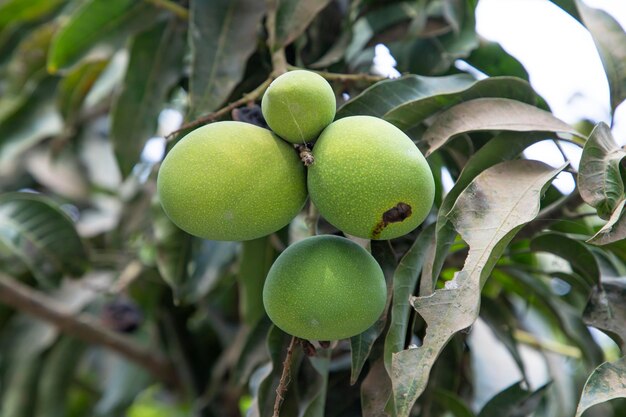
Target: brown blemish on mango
<point>396,214</point>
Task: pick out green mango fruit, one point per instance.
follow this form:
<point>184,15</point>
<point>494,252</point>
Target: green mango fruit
<point>324,288</point>
<point>369,179</point>
<point>231,181</point>
<point>298,105</point>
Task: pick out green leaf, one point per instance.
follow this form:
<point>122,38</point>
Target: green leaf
<point>254,351</point>
<point>452,403</point>
<point>217,65</point>
<point>614,230</point>
<point>432,55</point>
<point>40,234</point>
<point>334,54</point>
<point>125,380</point>
<point>514,401</point>
<point>610,41</point>
<point>173,251</point>
<point>96,21</point>
<point>361,344</point>
<point>313,393</point>
<point>490,114</point>
<point>76,85</point>
<point>573,251</point>
<point>487,214</point>
<point>410,115</point>
<point>26,69</point>
<point>156,60</point>
<point>569,6</point>
<point>405,279</point>
<point>600,182</point>
<point>57,377</point>
<point>264,383</point>
<point>456,12</point>
<point>35,121</point>
<point>384,16</point>
<point>408,101</point>
<point>24,343</point>
<point>257,257</point>
<point>293,17</point>
<point>505,146</point>
<point>211,260</point>
<point>17,400</point>
<point>606,310</point>
<point>493,60</point>
<point>13,12</point>
<point>606,382</point>
<point>386,95</point>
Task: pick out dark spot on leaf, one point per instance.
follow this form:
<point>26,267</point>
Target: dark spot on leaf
<point>395,214</point>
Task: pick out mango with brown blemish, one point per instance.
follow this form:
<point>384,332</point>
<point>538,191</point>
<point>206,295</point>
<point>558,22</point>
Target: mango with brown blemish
<point>369,179</point>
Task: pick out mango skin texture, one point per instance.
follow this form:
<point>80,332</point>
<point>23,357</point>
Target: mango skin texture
<point>369,179</point>
<point>231,181</point>
<point>298,105</point>
<point>324,288</point>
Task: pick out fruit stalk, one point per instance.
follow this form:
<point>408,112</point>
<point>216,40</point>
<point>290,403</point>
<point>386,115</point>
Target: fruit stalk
<point>284,377</point>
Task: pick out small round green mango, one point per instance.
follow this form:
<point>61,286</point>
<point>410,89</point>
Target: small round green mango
<point>324,288</point>
<point>298,105</point>
<point>369,179</point>
<point>231,181</point>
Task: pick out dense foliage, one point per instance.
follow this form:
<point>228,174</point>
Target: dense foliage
<point>108,309</point>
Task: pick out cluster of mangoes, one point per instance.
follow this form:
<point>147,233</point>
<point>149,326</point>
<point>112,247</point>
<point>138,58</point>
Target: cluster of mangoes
<point>237,181</point>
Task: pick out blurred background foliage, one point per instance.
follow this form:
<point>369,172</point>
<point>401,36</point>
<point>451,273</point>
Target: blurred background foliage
<point>108,309</point>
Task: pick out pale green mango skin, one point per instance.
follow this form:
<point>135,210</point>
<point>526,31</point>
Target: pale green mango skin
<point>231,181</point>
<point>364,166</point>
<point>298,105</point>
<point>324,288</point>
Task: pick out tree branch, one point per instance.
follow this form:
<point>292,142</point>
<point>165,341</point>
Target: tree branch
<point>176,9</point>
<point>279,60</point>
<point>246,98</point>
<point>547,345</point>
<point>333,76</point>
<point>84,327</point>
